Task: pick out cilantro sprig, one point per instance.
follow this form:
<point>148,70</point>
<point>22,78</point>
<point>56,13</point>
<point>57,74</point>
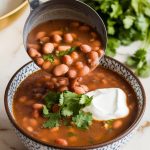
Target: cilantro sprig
<point>49,57</point>
<point>67,52</point>
<point>71,105</point>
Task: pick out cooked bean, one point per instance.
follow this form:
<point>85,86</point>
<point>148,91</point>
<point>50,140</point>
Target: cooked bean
<point>75,24</point>
<point>54,80</point>
<point>74,55</point>
<point>50,85</point>
<point>61,141</point>
<point>55,129</point>
<point>48,48</point>
<point>100,52</point>
<point>63,81</point>
<point>57,38</point>
<point>47,77</point>
<point>40,35</point>
<point>67,60</point>
<point>74,35</point>
<point>35,113</point>
<point>22,99</point>
<point>94,35</point>
<point>63,88</point>
<point>56,61</point>
<point>84,28</point>
<point>60,70</point>
<point>57,32</point>
<point>63,48</point>
<point>35,46</point>
<point>44,40</point>
<point>33,53</point>
<point>93,55</point>
<point>79,90</point>
<point>104,81</point>
<point>33,122</point>
<point>85,48</point>
<point>72,73</point>
<point>37,106</point>
<point>86,89</point>
<point>55,108</point>
<point>39,61</point>
<point>77,43</point>
<point>68,38</point>
<point>55,45</point>
<point>46,65</point>
<point>30,129</point>
<point>72,139</point>
<point>117,124</point>
<point>84,71</point>
<point>96,43</point>
<point>79,65</point>
<point>96,48</point>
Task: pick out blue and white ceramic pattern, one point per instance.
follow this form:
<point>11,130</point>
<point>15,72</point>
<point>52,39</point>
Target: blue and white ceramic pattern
<point>109,63</point>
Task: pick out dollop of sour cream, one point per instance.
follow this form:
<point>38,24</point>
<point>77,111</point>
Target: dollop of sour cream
<point>107,104</point>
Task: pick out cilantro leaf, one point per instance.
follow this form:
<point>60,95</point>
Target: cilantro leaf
<point>51,98</point>
<point>45,111</point>
<point>67,52</point>
<point>128,21</point>
<point>54,120</point>
<point>49,57</point>
<point>83,120</point>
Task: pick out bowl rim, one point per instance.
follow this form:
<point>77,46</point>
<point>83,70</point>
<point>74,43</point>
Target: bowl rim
<point>24,3</point>
<point>122,135</point>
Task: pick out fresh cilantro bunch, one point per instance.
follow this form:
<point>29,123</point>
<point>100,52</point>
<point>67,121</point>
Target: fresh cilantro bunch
<point>70,105</point>
<point>126,21</point>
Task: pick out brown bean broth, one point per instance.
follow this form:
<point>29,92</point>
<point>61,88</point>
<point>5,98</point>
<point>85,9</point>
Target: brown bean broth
<point>99,78</point>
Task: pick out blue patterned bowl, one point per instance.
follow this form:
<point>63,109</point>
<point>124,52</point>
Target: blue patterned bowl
<point>109,63</point>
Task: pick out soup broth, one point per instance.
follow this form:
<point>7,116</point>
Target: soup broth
<point>31,91</point>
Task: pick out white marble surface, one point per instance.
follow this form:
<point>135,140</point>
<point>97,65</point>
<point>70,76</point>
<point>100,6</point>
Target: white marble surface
<point>13,56</point>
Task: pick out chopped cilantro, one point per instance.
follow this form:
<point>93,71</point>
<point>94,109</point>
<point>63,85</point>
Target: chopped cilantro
<point>54,120</point>
<point>67,52</point>
<point>70,106</point>
<point>83,120</point>
<point>49,57</point>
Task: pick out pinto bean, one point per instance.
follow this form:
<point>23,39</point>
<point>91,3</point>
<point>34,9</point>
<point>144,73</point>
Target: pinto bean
<point>74,35</point>
<point>40,35</point>
<point>60,70</point>
<point>44,40</point>
<point>84,71</point>
<point>77,43</point>
<point>54,80</point>
<point>56,61</point>
<point>37,106</point>
<point>55,129</point>
<point>67,60</point>
<point>30,129</point>
<point>22,99</point>
<point>63,88</point>
<point>46,65</point>
<point>63,81</point>
<point>93,55</point>
<point>35,46</point>
<point>35,113</point>
<point>100,52</point>
<point>96,43</point>
<point>63,47</point>
<point>75,24</point>
<point>68,38</point>
<point>74,55</point>
<point>86,89</point>
<point>84,28</point>
<point>48,48</point>
<point>79,65</point>
<point>93,34</point>
<point>39,61</point>
<point>55,108</point>
<point>57,38</point>
<point>85,48</point>
<point>33,53</point>
<point>57,32</point>
<point>117,124</point>
<point>60,141</point>
<point>72,73</point>
<point>47,77</point>
<point>33,122</point>
<point>79,90</point>
<point>50,85</point>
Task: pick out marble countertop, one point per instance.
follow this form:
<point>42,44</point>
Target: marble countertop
<point>13,56</point>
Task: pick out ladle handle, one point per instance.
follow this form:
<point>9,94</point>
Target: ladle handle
<point>35,3</point>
